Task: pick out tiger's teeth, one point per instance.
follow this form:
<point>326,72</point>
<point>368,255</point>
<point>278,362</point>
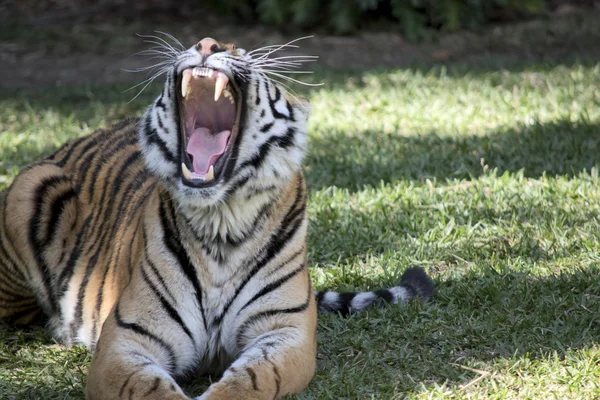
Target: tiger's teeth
<point>227,94</point>
<point>210,174</point>
<point>186,172</point>
<point>220,84</point>
<point>185,83</point>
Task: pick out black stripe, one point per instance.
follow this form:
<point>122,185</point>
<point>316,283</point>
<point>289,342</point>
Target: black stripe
<point>160,122</point>
<point>143,332</point>
<point>67,272</point>
<point>264,211</point>
<point>254,191</point>
<point>167,306</point>
<point>12,281</point>
<point>285,141</point>
<point>252,375</point>
<point>284,263</point>
<point>159,102</point>
<point>275,372</point>
<point>34,227</point>
<point>320,296</point>
<point>385,295</point>
<point>168,84</point>
<point>267,127</point>
<point>277,381</point>
<point>74,145</point>
<point>91,145</point>
<point>171,238</point>
<point>133,239</point>
<point>14,317</point>
<point>122,390</point>
<point>273,286</point>
<point>236,186</point>
<point>154,387</point>
<point>115,149</point>
<point>273,101</point>
<point>290,111</point>
<point>265,314</point>
<point>56,210</point>
<point>153,138</point>
<point>345,303</point>
<point>156,272</point>
<point>257,100</point>
<point>16,301</point>
<point>14,269</point>
<point>9,284</point>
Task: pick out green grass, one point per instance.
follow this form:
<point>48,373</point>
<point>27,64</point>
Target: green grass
<point>485,176</point>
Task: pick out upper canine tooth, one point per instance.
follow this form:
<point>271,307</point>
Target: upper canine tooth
<point>210,174</point>
<point>186,172</point>
<point>220,84</point>
<point>185,82</point>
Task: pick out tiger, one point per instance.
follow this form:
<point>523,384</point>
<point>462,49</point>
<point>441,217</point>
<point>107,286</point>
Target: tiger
<point>175,244</point>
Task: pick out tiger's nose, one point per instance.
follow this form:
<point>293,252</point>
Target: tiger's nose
<point>207,46</point>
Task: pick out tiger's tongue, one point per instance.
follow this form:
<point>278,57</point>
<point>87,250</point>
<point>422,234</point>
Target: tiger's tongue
<point>206,148</point>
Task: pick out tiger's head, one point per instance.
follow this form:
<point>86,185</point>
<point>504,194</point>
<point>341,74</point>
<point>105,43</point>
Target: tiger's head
<point>221,125</point>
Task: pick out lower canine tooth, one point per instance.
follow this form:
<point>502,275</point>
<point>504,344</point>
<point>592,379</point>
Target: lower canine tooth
<point>210,174</point>
<point>186,172</point>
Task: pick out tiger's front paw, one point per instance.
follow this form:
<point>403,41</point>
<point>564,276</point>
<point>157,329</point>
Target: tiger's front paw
<point>221,391</point>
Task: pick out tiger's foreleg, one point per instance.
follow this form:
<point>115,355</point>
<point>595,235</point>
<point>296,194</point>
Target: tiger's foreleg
<point>127,366</point>
<point>151,335</point>
<point>277,362</point>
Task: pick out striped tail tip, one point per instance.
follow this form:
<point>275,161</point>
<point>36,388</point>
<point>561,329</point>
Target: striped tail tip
<point>414,283</point>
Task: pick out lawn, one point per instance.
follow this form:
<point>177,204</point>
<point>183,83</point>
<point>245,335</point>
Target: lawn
<point>486,176</point>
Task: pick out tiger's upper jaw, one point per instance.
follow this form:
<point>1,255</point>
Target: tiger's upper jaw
<point>209,121</point>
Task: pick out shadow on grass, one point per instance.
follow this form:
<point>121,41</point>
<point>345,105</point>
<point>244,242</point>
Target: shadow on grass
<point>484,320</point>
<point>33,366</point>
<point>367,158</point>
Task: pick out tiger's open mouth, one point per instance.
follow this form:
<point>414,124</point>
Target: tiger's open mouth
<point>209,119</point>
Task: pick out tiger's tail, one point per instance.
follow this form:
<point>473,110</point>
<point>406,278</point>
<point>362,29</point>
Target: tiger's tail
<point>413,283</point>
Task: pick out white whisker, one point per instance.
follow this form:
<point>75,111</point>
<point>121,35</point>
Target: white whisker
<point>284,71</point>
<point>167,50</point>
<point>266,49</point>
<point>292,79</point>
<point>281,66</point>
<point>161,42</point>
<point>173,38</point>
